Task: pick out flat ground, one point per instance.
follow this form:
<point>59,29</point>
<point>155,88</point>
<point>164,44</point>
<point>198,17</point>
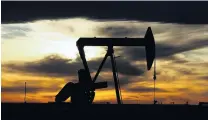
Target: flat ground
<point>52,111</point>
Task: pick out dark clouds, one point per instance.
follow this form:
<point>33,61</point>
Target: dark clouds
<point>205,94</point>
<point>124,66</point>
<point>186,71</point>
<point>144,89</point>
<point>133,29</point>
<point>51,65</point>
<point>30,89</point>
<point>55,65</point>
<point>13,35</point>
<point>19,89</point>
<point>164,11</point>
<point>121,31</point>
<point>176,39</point>
<point>164,50</point>
<point>14,31</point>
<point>177,60</point>
<point>16,28</point>
<point>204,77</point>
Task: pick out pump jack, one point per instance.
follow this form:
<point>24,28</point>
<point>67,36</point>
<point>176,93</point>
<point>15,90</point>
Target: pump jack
<point>86,83</point>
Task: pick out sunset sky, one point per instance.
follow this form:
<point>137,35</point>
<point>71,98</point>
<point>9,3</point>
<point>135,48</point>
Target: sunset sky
<point>43,53</point>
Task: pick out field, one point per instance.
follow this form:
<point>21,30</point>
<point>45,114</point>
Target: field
<point>49,111</point>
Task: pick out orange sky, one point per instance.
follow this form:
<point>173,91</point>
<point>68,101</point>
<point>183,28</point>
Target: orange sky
<point>181,63</point>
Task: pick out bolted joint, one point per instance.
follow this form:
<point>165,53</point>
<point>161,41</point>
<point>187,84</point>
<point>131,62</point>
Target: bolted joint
<point>110,50</point>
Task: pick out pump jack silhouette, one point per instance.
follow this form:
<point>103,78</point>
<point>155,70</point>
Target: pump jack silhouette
<point>83,92</point>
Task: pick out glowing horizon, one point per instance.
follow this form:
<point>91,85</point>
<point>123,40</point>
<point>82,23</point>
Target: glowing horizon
<point>181,60</point>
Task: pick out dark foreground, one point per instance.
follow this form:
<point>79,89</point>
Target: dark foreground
<point>64,111</point>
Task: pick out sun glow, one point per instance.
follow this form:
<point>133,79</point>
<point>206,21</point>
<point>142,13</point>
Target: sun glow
<point>67,48</point>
